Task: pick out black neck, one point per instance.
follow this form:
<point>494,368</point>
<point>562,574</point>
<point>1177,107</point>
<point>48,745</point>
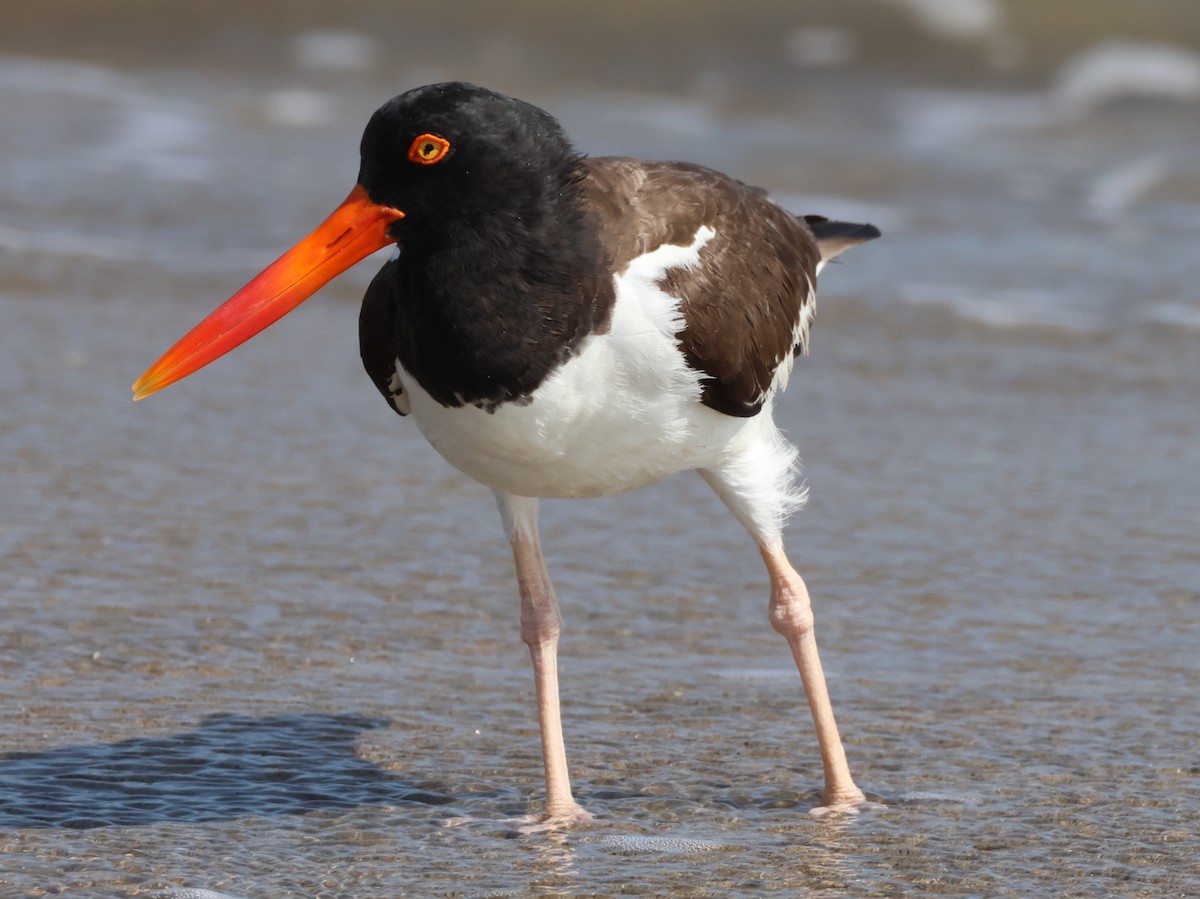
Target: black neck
<point>483,311</point>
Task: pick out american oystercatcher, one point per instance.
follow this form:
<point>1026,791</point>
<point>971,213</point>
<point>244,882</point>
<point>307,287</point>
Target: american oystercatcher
<point>566,326</point>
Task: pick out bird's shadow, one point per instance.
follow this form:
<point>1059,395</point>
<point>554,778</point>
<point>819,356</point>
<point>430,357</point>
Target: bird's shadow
<point>230,766</point>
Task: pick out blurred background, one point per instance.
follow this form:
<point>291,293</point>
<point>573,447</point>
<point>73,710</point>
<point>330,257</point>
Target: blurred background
<point>1011,138</point>
<point>1000,421</point>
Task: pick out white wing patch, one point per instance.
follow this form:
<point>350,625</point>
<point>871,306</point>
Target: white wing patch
<point>783,370</point>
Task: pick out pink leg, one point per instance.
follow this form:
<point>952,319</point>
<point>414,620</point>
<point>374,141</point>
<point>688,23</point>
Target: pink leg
<point>791,615</point>
<point>540,626</point>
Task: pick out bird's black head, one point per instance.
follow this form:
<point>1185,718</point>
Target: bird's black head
<point>482,190</point>
<point>455,157</point>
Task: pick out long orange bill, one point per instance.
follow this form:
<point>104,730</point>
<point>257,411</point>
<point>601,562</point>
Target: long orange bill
<point>355,230</point>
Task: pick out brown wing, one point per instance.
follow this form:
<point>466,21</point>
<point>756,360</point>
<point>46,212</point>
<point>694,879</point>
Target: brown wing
<point>745,303</point>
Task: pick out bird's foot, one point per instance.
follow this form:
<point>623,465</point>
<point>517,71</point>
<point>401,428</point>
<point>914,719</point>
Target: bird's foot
<point>547,822</point>
<point>846,802</point>
<point>552,821</point>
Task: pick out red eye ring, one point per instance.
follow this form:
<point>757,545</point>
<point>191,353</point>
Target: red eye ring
<point>426,149</point>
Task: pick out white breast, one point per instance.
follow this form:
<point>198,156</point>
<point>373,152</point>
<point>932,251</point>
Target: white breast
<point>623,412</point>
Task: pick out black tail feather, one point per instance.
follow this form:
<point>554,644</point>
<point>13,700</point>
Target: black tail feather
<point>835,238</point>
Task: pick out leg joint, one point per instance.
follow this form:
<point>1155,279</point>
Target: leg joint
<point>540,619</point>
<point>790,611</point>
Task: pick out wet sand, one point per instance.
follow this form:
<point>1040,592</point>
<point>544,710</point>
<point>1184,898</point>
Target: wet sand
<point>258,638</point>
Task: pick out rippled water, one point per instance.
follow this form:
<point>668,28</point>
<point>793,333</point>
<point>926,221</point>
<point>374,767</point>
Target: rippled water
<point>258,639</point>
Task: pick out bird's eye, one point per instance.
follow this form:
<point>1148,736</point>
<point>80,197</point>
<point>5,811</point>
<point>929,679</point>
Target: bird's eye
<point>427,149</point>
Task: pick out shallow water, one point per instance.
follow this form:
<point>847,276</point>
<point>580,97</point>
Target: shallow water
<point>257,638</point>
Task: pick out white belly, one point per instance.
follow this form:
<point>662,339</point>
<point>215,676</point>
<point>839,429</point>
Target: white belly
<point>572,441</point>
<point>623,412</point>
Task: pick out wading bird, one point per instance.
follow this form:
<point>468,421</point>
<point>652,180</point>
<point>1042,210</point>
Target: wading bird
<point>566,326</point>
